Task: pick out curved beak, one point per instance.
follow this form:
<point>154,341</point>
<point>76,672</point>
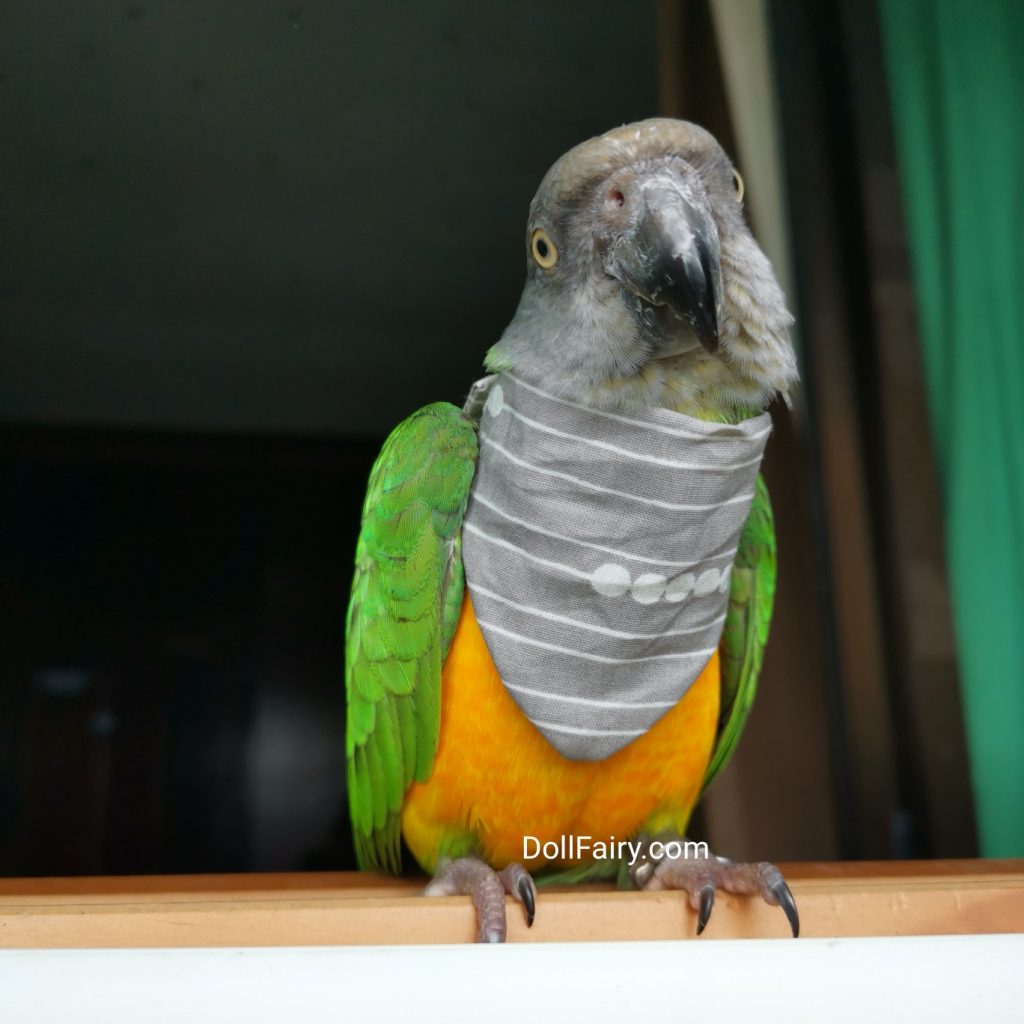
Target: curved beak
<point>670,256</point>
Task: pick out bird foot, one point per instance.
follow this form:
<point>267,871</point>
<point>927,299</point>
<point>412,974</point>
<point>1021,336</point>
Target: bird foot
<point>701,877</point>
<point>470,876</point>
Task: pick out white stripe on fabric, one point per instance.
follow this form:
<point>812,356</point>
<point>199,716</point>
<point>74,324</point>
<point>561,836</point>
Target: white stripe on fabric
<point>618,417</point>
<point>670,506</point>
<point>604,631</point>
<point>530,642</point>
<point>526,554</point>
<point>558,611</point>
<point>591,702</point>
<point>721,467</point>
<point>599,547</point>
<point>576,731</point>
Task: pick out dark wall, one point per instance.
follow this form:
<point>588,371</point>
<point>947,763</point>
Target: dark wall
<point>298,216</point>
<point>225,228</point>
<point>171,694</point>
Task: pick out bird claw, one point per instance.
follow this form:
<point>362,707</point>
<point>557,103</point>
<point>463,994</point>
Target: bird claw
<point>519,884</point>
<point>784,898</point>
<point>702,877</point>
<point>707,903</point>
<point>486,888</point>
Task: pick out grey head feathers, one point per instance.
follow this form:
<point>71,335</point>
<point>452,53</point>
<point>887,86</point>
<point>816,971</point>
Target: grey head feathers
<point>644,284</point>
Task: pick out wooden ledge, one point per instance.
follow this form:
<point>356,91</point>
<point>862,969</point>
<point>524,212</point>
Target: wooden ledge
<point>326,909</point>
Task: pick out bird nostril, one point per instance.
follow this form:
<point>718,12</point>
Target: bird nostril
<point>616,198</point>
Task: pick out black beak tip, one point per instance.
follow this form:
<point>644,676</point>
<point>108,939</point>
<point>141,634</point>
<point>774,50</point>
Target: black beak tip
<point>708,338</point>
<point>704,321</point>
<point>690,287</point>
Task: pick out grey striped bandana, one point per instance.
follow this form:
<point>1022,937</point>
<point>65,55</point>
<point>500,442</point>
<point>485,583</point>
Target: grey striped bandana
<point>598,548</point>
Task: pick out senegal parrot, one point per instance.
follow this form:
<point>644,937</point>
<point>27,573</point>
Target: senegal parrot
<point>647,302</point>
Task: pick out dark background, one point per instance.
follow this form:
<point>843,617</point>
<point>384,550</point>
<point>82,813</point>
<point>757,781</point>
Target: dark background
<point>282,218</point>
<point>239,243</point>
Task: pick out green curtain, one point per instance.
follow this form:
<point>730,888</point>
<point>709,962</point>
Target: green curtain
<point>956,78</point>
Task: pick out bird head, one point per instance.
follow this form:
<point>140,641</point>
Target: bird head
<point>644,285</point>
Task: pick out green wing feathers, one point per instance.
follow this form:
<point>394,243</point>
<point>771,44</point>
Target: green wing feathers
<point>406,595</point>
<point>751,598</point>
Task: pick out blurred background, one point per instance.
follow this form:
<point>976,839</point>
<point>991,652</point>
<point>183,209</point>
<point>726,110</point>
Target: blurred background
<point>240,241</point>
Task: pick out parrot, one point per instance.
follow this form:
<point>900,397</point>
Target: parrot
<point>645,290</point>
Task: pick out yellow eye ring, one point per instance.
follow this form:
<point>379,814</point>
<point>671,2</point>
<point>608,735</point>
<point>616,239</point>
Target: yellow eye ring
<point>738,179</point>
<point>543,249</point>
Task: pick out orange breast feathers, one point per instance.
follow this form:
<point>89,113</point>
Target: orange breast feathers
<point>496,778</point>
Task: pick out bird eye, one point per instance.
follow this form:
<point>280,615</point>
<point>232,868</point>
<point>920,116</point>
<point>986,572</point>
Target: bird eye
<point>543,249</point>
<point>738,181</point>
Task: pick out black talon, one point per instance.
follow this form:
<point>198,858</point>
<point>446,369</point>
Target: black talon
<point>785,900</point>
<point>707,901</point>
<point>525,890</point>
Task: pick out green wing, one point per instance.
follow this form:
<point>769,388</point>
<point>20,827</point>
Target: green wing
<point>406,596</point>
<point>751,597</point>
